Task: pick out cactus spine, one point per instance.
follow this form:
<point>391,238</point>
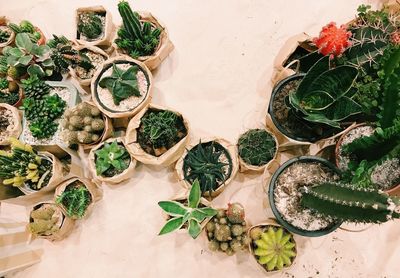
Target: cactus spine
<point>348,203</point>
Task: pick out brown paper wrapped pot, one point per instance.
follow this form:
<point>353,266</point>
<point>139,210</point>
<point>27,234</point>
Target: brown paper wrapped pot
<point>167,158</point>
<point>16,129</point>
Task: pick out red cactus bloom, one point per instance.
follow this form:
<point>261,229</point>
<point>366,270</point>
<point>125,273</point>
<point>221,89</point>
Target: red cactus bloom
<point>332,40</point>
<point>395,38</point>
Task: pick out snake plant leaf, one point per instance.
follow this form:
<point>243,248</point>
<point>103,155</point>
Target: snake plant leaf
<point>172,225</point>
<point>173,208</point>
<point>316,70</point>
<point>194,195</point>
<point>194,228</point>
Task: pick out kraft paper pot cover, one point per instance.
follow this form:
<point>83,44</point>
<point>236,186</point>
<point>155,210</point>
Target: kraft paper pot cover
<point>14,128</point>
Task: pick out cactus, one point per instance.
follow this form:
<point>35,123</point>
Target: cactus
<point>136,38</point>
<point>111,159</point>
<point>203,162</point>
<point>90,25</point>
<point>27,27</point>
<point>4,35</point>
<point>9,91</point>
<point>121,84</point>
<point>191,215</point>
<point>23,165</point>
<point>323,94</point>
<point>333,41</point>
<point>275,247</point>
<point>44,220</point>
<point>257,147</point>
<point>75,199</point>
<point>349,203</point>
<point>42,129</point>
<point>160,130</point>
<point>35,88</point>
<point>235,213</point>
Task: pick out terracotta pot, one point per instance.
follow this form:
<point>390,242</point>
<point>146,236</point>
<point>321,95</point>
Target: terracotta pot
<point>42,40</point>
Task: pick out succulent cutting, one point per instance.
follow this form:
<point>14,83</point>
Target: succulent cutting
<point>112,159</point>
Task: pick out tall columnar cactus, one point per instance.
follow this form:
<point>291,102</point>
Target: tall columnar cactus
<point>349,203</point>
<point>323,94</point>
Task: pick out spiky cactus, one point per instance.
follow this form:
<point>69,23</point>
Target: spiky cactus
<point>350,203</point>
<point>333,41</point>
<point>35,88</point>
<point>76,198</point>
<point>90,25</point>
<point>275,248</point>
<point>256,147</point>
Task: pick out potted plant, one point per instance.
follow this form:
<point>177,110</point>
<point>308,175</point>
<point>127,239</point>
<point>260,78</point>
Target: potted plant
<point>96,57</point>
<point>272,246</point>
<point>285,195</point>
<point>10,123</point>
<point>157,135</point>
<point>213,162</point>
<point>191,212</point>
<point>10,92</point>
<point>34,33</point>
<point>43,107</point>
<point>121,87</point>
<point>93,26</point>
<point>110,162</point>
<point>48,221</point>
<point>257,148</point>
<point>7,35</point>
<point>142,37</point>
<point>28,170</point>
<point>77,197</point>
<point>85,125</point>
<point>226,231</point>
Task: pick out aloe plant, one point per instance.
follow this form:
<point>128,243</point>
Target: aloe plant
<point>322,95</point>
<point>191,214</point>
<point>122,83</point>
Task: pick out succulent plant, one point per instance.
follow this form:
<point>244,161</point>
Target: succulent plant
<point>349,203</point>
<point>191,215</point>
<point>121,84</point>
<point>257,147</point>
<point>160,130</point>
<point>75,199</point>
<point>64,55</point>
<point>226,235</point>
<point>84,124</point>
<point>112,159</point>
<point>275,248</point>
<point>26,27</point>
<point>9,91</point>
<point>4,35</point>
<point>42,129</point>
<point>44,220</point>
<point>323,94</point>
<point>35,88</point>
<point>333,41</point>
<point>28,57</point>
<point>90,25</point>
<point>204,162</point>
<point>134,37</point>
<point>23,165</point>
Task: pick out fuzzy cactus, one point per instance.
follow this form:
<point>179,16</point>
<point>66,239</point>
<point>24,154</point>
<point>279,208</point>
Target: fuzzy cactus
<point>333,41</point>
<point>275,248</point>
<point>349,203</point>
<point>44,221</point>
<point>235,213</point>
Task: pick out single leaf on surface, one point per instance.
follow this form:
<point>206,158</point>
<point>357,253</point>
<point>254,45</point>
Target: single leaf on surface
<point>194,228</point>
<point>173,208</point>
<point>172,225</point>
<point>194,195</point>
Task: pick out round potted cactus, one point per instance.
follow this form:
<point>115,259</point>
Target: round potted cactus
<point>110,162</point>
<point>213,162</point>
<point>85,125</point>
<point>29,170</point>
<point>226,232</point>
<point>257,148</point>
<point>49,221</point>
<point>157,135</point>
<point>77,196</point>
<point>10,92</point>
<point>10,123</point>
<point>272,246</point>
<point>94,26</point>
<point>142,36</point>
<point>285,195</point>
<point>121,87</point>
<point>191,204</point>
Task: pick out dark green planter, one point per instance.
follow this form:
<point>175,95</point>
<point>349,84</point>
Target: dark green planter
<point>277,214</point>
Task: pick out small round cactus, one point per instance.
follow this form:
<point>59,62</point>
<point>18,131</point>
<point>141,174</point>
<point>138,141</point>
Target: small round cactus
<point>235,213</point>
<point>333,41</point>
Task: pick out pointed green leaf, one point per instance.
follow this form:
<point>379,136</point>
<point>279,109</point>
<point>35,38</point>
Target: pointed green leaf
<point>210,212</point>
<point>173,208</point>
<point>172,225</point>
<point>198,215</point>
<point>194,195</point>
<point>194,228</point>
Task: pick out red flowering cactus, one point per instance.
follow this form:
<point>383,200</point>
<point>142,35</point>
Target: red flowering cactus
<point>332,40</point>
